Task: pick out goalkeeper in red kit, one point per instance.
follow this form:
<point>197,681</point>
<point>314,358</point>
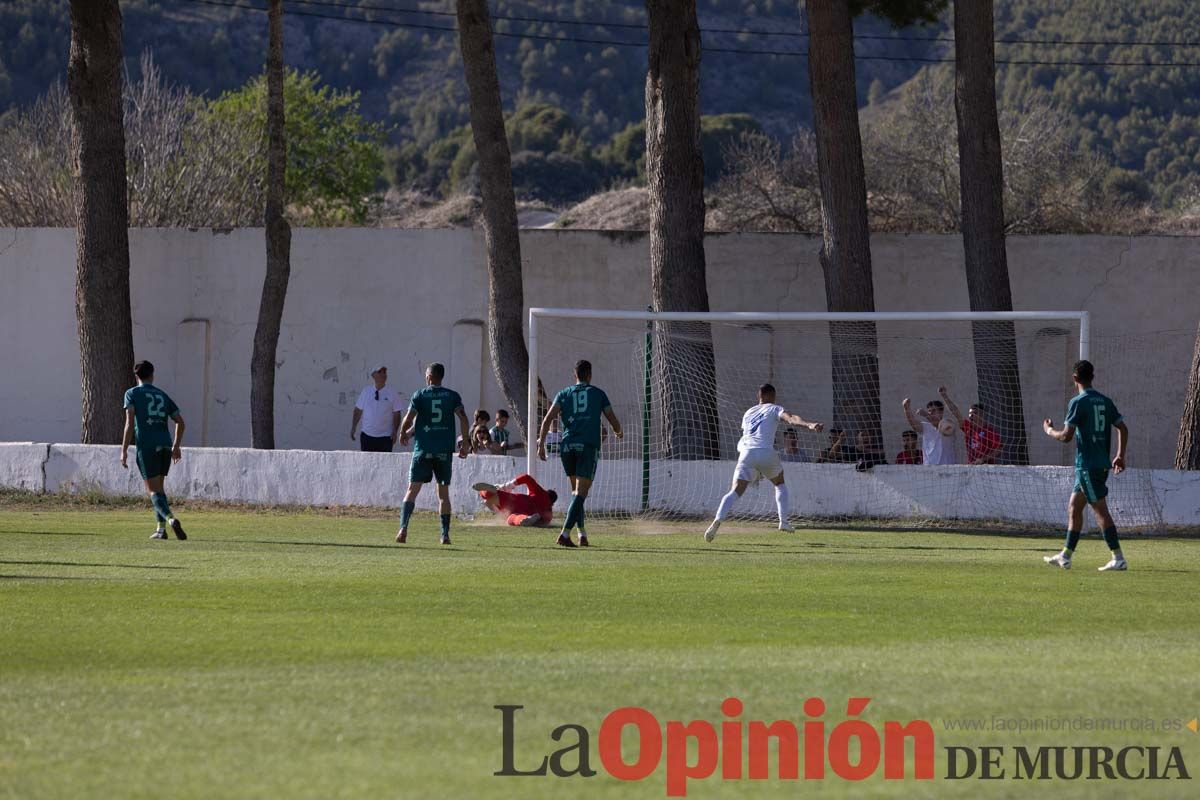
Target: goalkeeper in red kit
<point>533,507</point>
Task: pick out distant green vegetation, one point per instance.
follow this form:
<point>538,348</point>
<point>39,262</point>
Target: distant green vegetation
<point>334,156</point>
<point>1145,120</point>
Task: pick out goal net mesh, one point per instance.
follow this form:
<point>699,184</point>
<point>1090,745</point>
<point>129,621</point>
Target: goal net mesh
<point>680,390</point>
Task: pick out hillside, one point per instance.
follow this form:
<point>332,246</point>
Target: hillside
<point>1144,119</point>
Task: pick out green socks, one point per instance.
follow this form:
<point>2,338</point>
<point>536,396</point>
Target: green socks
<point>574,513</point>
<point>161,508</point>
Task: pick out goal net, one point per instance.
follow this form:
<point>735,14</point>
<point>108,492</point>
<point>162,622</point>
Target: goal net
<point>680,384</point>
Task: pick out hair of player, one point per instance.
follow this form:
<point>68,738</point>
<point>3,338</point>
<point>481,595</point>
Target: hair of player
<point>836,431</point>
<point>1084,372</point>
<point>980,407</point>
<point>482,414</point>
<point>144,370</point>
<point>501,414</point>
<point>436,371</point>
<point>938,404</point>
<point>790,433</point>
<point>766,390</point>
<point>583,370</point>
<point>909,435</point>
<point>553,496</point>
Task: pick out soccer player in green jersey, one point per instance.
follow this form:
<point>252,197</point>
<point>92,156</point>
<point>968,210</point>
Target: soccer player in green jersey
<point>147,409</point>
<point>430,423</point>
<point>580,407</point>
<point>1091,418</point>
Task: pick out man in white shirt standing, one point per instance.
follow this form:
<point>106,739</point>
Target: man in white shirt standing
<point>937,432</point>
<point>757,456</point>
<point>379,408</point>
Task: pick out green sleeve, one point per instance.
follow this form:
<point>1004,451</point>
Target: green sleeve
<point>1073,411</point>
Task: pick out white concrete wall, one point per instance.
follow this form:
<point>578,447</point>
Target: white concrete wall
<point>363,296</point>
<point>1142,499</point>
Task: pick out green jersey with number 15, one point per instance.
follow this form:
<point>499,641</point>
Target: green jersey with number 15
<point>1093,416</point>
<point>581,406</point>
<point>434,426</point>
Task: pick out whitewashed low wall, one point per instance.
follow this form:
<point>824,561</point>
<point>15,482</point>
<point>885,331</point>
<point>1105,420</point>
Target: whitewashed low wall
<point>312,477</point>
<point>21,465</point>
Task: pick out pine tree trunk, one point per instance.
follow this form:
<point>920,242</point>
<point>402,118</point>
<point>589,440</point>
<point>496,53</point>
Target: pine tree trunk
<point>1187,453</point>
<point>675,172</point>
<point>846,242</point>
<point>981,174</point>
<point>94,80</point>
<point>506,294</point>
<point>279,245</point>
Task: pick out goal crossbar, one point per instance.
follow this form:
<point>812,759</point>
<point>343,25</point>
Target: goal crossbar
<point>766,316</point>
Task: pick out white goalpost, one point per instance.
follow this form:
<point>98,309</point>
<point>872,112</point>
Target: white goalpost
<point>680,381</point>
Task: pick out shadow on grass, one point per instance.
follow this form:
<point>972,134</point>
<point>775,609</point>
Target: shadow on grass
<point>43,578</point>
<point>395,547</point>
<point>52,533</point>
<point>762,548</point>
<point>82,564</point>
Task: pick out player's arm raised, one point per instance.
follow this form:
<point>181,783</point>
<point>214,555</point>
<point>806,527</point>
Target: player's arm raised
<point>127,437</point>
<point>613,422</point>
<point>951,405</point>
<point>551,415</point>
<point>796,419</point>
<point>913,420</point>
<point>1064,434</point>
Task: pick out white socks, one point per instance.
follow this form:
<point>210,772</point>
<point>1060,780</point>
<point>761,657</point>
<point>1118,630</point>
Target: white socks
<point>781,503</point>
<point>726,503</point>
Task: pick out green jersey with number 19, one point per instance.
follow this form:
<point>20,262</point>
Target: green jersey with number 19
<point>581,406</point>
<point>433,429</point>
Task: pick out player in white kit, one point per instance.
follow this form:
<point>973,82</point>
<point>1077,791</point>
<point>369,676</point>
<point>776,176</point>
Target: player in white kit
<point>757,456</point>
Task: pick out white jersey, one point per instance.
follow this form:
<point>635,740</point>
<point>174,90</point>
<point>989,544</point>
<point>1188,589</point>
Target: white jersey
<point>939,448</point>
<point>758,427</point>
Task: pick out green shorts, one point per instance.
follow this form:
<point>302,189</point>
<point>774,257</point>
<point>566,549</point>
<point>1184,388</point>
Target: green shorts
<point>153,461</point>
<point>427,466</point>
<point>1093,483</point>
<point>580,460</point>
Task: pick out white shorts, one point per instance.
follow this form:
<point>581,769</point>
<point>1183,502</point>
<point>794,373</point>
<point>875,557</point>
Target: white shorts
<point>762,461</point>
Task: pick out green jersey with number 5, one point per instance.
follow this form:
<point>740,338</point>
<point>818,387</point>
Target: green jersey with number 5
<point>581,406</point>
<point>151,410</point>
<point>1093,416</point>
<point>434,426</point>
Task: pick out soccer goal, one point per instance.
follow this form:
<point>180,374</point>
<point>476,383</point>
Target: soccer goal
<point>680,383</point>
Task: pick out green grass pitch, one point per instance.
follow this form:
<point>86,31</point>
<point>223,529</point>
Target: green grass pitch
<point>306,655</point>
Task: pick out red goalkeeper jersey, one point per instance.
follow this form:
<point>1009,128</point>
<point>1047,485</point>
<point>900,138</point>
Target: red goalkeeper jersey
<point>537,501</point>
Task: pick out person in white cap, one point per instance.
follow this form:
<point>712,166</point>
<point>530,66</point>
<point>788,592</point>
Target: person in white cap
<point>379,408</point>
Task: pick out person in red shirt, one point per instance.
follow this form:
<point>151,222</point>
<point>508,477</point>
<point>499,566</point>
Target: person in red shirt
<point>983,441</point>
<point>534,506</point>
<point>912,453</point>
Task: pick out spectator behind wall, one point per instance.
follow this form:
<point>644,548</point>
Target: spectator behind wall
<point>791,447</point>
<point>839,452</point>
<point>981,439</point>
<point>379,409</point>
<point>911,452</point>
<point>937,433</point>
